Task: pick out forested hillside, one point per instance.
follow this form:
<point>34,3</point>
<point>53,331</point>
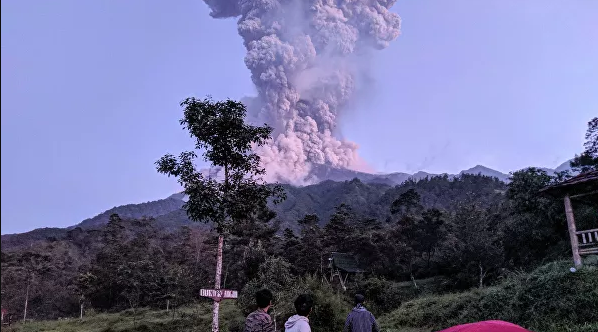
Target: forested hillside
<point>465,232</point>
<point>369,199</point>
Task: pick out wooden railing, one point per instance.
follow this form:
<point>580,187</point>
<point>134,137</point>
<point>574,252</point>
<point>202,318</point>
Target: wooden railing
<point>588,241</point>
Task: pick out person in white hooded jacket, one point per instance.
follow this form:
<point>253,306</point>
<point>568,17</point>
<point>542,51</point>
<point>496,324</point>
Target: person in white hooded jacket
<point>299,322</point>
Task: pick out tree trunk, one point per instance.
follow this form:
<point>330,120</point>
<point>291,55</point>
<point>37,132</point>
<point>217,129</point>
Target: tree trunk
<point>482,274</point>
<point>413,280</point>
<point>429,252</point>
<point>215,327</point>
<point>27,298</point>
<point>411,273</point>
<point>81,314</point>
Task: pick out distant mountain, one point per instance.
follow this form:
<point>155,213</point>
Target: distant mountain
<point>566,166</point>
<point>149,209</point>
<point>333,186</point>
<point>161,209</point>
<point>323,172</point>
<point>483,170</point>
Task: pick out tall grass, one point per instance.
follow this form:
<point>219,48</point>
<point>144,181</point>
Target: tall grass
<point>550,299</point>
<point>196,319</point>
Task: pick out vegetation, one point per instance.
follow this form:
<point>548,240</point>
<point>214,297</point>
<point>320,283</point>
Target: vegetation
<point>588,160</point>
<point>195,318</point>
<point>220,131</point>
<point>522,298</point>
<point>548,299</point>
<point>436,251</point>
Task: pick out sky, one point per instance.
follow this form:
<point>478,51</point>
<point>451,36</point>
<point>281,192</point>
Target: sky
<point>91,93</point>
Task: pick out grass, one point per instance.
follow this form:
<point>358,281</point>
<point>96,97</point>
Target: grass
<point>196,319</point>
<point>550,299</point>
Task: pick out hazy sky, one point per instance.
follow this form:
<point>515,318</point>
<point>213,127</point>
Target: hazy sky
<point>90,94</point>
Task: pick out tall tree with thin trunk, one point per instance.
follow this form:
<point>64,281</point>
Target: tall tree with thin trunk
<point>226,141</point>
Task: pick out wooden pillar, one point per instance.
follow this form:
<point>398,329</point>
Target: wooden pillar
<point>572,232</point>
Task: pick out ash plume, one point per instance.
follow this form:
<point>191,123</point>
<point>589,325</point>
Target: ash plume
<point>305,57</point>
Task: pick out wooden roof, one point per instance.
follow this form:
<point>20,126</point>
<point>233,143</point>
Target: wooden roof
<point>345,262</point>
<point>584,183</point>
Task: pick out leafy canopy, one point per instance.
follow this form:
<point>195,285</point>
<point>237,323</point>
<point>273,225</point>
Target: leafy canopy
<point>227,142</point>
<point>588,160</point>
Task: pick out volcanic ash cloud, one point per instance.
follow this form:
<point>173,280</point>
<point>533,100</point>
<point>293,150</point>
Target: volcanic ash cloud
<point>304,58</point>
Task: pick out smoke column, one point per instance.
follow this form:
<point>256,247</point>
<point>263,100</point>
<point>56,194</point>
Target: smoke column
<point>305,57</point>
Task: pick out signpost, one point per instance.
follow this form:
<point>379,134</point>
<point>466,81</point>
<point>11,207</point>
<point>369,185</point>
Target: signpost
<point>218,294</point>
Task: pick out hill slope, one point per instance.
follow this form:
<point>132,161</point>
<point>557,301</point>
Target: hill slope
<point>369,200</point>
<point>337,187</point>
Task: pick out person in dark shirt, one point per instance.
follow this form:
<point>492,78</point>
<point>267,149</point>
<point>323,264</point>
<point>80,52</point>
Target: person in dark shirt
<point>260,320</point>
<point>359,319</point>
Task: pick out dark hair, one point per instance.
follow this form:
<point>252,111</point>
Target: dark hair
<point>359,299</point>
<point>263,298</point>
<point>303,304</point>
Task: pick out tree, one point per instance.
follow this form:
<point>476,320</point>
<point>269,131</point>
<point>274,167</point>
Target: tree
<point>308,253</point>
<point>588,160</point>
<point>429,233</point>
<point>407,203</point>
<point>220,131</point>
<point>339,229</point>
<point>533,223</point>
<point>474,248</point>
<point>85,286</point>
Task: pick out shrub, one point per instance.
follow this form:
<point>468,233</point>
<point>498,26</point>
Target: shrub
<point>549,299</point>
<point>274,274</point>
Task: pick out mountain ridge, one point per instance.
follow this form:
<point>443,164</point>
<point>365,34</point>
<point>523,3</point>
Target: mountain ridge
<point>168,211</point>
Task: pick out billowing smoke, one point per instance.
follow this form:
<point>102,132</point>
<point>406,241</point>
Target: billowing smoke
<point>305,57</point>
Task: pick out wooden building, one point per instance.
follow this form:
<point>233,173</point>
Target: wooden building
<point>582,188</point>
<point>341,265</point>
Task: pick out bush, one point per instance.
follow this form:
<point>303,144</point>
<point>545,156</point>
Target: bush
<point>331,306</point>
<point>274,274</point>
<point>549,299</point>
<point>383,295</point>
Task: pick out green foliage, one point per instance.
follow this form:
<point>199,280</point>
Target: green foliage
<point>196,318</point>
<point>588,160</point>
<point>408,202</point>
<point>533,223</point>
<point>548,299</point>
<point>458,224</point>
<point>275,274</point>
<point>474,247</point>
<point>220,131</point>
<point>384,295</point>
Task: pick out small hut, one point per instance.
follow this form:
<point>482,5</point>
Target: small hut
<point>583,188</point>
<point>341,265</point>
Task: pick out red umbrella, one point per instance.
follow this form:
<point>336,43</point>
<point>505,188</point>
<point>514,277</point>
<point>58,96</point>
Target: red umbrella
<point>487,326</point>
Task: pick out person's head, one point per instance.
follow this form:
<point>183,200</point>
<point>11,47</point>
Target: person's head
<point>359,299</point>
<point>303,304</point>
<point>263,298</point>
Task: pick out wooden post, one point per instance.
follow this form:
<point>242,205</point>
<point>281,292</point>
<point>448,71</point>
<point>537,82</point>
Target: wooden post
<point>572,231</point>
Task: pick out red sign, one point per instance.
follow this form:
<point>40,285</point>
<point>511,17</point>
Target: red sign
<point>218,294</point>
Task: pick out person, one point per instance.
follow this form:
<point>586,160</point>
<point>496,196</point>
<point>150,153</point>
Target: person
<point>260,320</point>
<point>299,322</point>
<point>360,319</point>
